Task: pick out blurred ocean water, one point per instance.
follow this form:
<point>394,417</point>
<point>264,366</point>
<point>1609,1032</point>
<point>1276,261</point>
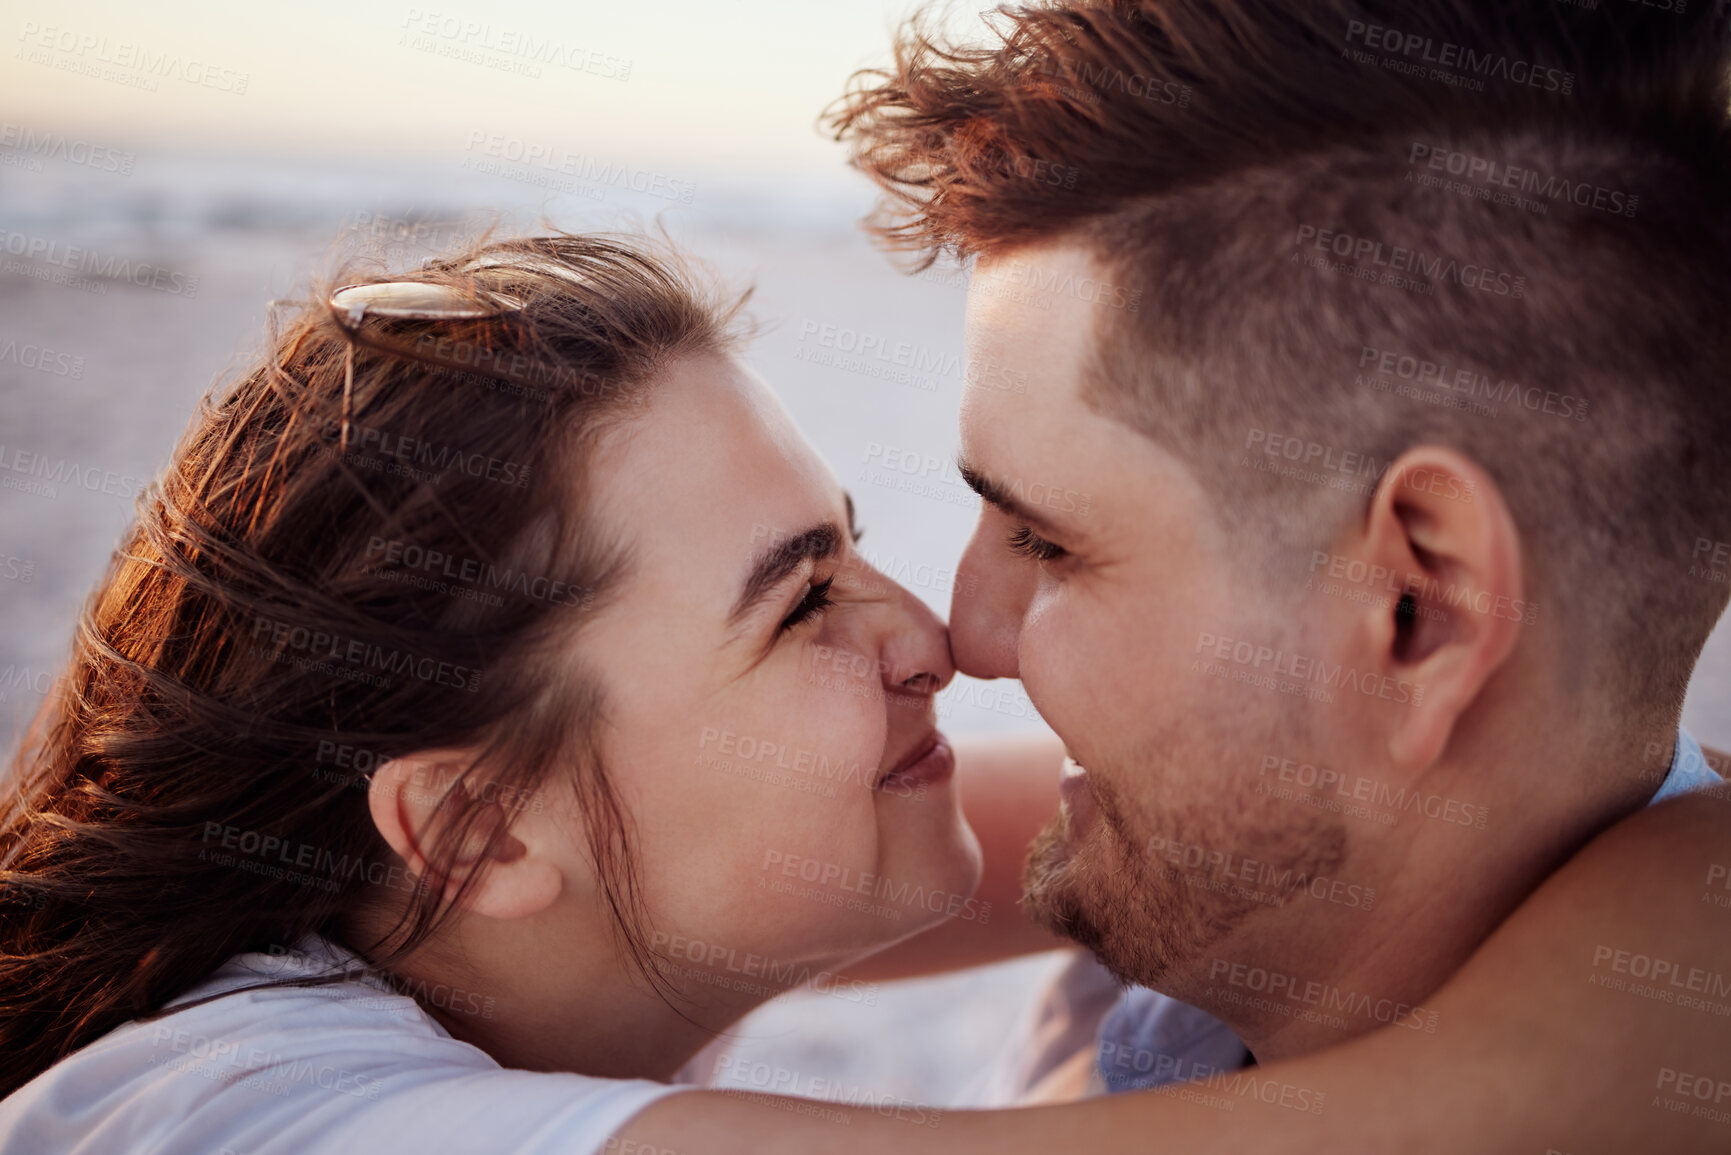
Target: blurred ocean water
<point>125,294</point>
<point>195,246</point>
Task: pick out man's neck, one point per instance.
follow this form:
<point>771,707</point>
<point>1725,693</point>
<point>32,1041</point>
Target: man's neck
<point>1330,972</point>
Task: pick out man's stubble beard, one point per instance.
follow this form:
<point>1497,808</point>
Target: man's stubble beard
<point>1148,921</point>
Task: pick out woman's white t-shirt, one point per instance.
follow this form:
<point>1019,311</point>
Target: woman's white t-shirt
<point>324,1070</point>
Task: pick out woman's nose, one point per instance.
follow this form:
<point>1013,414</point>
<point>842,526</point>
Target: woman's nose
<point>916,655</point>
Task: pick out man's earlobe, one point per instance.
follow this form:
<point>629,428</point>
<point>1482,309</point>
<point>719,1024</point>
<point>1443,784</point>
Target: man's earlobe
<point>509,879</point>
<point>1440,521</point>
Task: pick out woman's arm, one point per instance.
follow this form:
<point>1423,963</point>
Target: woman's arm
<point>1009,789</point>
<point>1597,1018</point>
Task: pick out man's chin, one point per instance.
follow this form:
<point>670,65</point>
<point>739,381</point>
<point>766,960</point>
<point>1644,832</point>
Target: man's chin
<point>1065,891</point>
<point>1055,892</point>
<point>1047,893</point>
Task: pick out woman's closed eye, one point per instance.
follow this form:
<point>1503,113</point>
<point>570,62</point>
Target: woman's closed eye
<point>1030,544</point>
<point>815,602</point>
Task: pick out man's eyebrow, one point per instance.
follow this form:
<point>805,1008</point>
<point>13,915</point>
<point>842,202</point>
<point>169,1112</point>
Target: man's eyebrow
<point>781,559</point>
<point>996,493</point>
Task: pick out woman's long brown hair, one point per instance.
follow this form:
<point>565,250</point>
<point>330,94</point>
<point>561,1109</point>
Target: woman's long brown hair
<point>315,584</point>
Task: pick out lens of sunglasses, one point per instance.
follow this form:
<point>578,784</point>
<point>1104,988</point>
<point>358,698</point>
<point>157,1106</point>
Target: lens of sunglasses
<point>412,300</point>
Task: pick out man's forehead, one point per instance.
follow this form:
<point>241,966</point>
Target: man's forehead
<point>1028,344</point>
<point>1034,324</point>
<point>1037,283</point>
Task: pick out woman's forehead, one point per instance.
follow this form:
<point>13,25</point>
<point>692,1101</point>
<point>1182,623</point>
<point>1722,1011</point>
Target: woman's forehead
<point>712,466</point>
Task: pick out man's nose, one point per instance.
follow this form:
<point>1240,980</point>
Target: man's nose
<point>987,605</point>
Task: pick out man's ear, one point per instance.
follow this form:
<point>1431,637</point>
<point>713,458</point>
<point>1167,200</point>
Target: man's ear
<point>513,881</point>
<point>1439,524</point>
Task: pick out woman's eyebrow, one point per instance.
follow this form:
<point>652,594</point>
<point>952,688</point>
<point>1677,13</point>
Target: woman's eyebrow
<point>782,558</point>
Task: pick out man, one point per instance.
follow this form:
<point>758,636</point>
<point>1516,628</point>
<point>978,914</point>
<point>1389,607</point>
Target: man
<point>1350,532</point>
<point>1420,469</point>
<point>1419,466</point>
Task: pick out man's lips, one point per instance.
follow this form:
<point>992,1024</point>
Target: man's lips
<point>929,760</point>
<point>1076,793</point>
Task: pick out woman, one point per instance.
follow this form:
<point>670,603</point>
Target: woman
<point>445,585</point>
<point>487,710</point>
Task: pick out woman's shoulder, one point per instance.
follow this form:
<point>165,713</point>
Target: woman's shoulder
<point>307,1050</point>
<point>315,976</point>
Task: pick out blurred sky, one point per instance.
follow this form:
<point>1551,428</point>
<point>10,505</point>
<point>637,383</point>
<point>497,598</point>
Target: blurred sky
<point>693,84</point>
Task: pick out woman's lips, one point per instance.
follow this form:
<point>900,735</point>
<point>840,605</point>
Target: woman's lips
<point>931,761</point>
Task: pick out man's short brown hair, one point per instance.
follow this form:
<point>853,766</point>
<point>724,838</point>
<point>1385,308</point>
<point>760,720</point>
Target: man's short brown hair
<point>1359,227</point>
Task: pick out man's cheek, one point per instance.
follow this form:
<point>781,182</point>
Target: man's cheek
<point>1056,676</point>
<point>1101,675</point>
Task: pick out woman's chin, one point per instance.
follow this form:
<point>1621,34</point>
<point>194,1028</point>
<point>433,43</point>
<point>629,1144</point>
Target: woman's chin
<point>943,878</point>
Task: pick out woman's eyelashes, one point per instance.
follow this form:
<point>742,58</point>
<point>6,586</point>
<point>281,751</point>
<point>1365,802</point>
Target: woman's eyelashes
<point>1030,544</point>
<point>812,605</point>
